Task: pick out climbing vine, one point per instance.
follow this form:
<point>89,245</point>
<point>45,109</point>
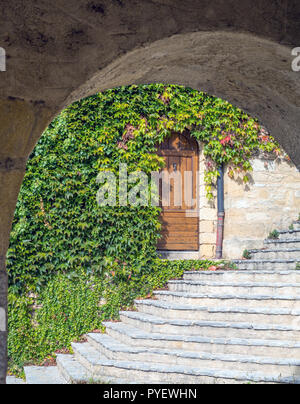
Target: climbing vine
<point>59,227</point>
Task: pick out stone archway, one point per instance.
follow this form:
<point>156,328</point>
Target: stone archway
<point>58,53</point>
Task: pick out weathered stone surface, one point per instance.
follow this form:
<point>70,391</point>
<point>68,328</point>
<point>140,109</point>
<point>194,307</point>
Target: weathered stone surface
<point>207,238</point>
<point>14,380</point>
<point>43,375</point>
<point>269,202</point>
<point>208,250</point>
<point>3,357</point>
<point>208,214</point>
<point>58,52</point>
<point>207,226</point>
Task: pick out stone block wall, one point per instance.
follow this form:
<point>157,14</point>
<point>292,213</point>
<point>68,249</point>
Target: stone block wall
<point>207,215</point>
<point>271,201</point>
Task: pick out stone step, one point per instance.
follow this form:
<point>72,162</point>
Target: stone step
<point>239,314</point>
<point>289,234</point>
<point>227,301</point>
<point>115,350</point>
<point>168,374</point>
<point>14,380</point>
<point>231,288</point>
<point>273,265</point>
<point>282,243</point>
<point>272,254</point>
<point>150,323</point>
<point>72,371</point>
<point>244,276</point>
<point>268,348</point>
<point>75,373</point>
<point>43,375</point>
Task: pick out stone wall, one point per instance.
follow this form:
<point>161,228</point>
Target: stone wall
<point>271,201</point>
<point>207,216</point>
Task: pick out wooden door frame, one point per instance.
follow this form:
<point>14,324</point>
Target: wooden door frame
<point>196,157</point>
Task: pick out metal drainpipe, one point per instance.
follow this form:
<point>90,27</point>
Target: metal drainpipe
<point>221,213</point>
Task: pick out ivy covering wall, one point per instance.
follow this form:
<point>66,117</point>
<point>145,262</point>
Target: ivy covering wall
<point>58,226</point>
<point>71,252</point>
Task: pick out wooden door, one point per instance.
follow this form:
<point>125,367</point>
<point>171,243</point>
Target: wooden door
<point>180,229</point>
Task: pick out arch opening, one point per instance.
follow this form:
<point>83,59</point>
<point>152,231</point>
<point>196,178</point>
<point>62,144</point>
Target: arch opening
<point>206,221</point>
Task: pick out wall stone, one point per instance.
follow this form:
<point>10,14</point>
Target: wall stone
<point>207,215</point>
<point>271,201</point>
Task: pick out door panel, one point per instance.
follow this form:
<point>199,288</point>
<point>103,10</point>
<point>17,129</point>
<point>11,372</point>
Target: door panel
<point>179,232</point>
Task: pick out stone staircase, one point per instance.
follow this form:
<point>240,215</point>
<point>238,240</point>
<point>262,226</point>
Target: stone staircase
<point>211,327</point>
<point>281,254</point>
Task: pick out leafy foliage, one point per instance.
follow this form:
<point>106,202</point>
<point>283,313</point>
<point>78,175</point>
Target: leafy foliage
<point>274,235</point>
<point>58,226</point>
<point>246,255</point>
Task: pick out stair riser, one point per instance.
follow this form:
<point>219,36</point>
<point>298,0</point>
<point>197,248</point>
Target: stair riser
<point>273,245</point>
<point>227,303</point>
<point>43,375</point>
<point>296,226</point>
<point>14,380</point>
<point>234,290</point>
<point>208,331</point>
<point>272,352</point>
<point>290,236</point>
<point>244,277</point>
<point>84,376</point>
<point>152,376</point>
<point>267,266</point>
<point>64,373</point>
<point>276,255</point>
<point>284,320</point>
<point>285,371</point>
